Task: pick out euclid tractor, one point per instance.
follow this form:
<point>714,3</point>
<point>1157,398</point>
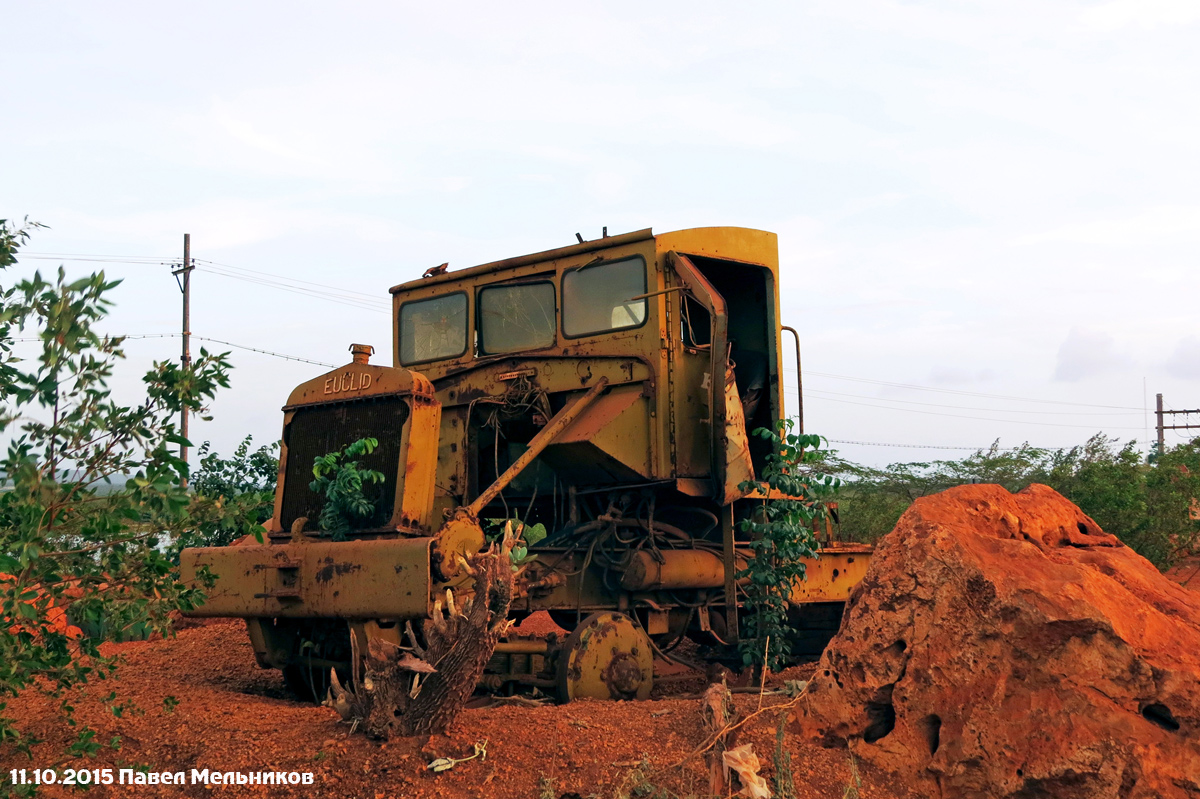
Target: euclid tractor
<point>604,391</point>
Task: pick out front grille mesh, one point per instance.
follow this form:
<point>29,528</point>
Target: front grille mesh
<point>322,429</point>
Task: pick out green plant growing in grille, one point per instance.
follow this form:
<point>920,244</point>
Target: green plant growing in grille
<point>345,484</point>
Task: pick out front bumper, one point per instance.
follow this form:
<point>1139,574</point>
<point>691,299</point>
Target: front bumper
<point>375,579</point>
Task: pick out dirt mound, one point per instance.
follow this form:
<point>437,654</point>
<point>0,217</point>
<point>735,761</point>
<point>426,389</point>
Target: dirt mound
<point>1004,645</point>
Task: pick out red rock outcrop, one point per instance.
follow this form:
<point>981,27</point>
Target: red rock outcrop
<point>1003,645</point>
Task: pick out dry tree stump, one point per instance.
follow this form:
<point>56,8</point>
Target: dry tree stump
<point>719,714</point>
<point>420,689</point>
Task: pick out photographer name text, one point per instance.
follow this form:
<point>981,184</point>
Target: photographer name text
<point>128,776</point>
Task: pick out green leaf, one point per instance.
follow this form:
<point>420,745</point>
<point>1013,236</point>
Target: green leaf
<point>534,534</point>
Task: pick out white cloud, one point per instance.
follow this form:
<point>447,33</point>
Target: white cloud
<point>1146,225</point>
<point>1145,14</point>
<point>1184,362</point>
<point>1085,354</point>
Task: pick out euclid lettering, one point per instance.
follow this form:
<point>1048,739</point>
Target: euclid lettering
<point>347,381</point>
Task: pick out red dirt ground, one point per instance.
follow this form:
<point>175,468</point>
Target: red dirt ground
<point>233,716</point>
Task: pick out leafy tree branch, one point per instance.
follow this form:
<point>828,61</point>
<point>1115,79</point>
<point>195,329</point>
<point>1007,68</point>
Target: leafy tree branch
<point>89,487</point>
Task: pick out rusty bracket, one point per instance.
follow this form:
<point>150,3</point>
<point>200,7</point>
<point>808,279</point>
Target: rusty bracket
<point>516,374</point>
<point>289,577</point>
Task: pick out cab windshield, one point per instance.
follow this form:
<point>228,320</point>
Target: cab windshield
<point>517,317</point>
<point>433,329</point>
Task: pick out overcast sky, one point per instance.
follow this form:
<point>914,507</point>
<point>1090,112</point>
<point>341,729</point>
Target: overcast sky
<point>995,200</point>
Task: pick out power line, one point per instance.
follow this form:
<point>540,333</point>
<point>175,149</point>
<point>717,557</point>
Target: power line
<point>919,446</point>
<point>971,408</point>
<point>299,290</point>
<point>306,292</point>
<point>136,335</point>
<point>978,418</point>
<point>321,291</point>
<point>109,259</point>
<point>371,297</point>
<point>808,373</point>
<point>265,352</point>
<point>206,338</point>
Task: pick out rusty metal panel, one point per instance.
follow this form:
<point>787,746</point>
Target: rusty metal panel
<point>352,381</point>
<point>382,578</point>
<point>739,468</point>
<point>729,243</point>
<point>618,426</point>
<point>420,450</point>
<point>832,576</point>
<point>692,397</point>
<point>596,418</point>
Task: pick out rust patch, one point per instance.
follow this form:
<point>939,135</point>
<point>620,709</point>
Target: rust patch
<point>623,676</point>
<point>326,572</point>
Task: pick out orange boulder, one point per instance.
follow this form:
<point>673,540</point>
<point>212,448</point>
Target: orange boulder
<point>1003,645</point>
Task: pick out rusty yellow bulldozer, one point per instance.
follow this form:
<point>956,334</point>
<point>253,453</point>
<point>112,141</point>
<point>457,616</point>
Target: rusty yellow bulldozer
<point>604,391</point>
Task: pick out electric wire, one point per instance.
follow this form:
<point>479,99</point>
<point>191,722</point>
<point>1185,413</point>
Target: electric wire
<point>213,340</point>
<point>929,446</point>
<point>321,291</point>
<point>372,297</point>
<point>978,418</point>
<point>107,259</point>
<point>348,301</point>
<point>263,352</point>
<point>809,373</point>
<point>971,407</point>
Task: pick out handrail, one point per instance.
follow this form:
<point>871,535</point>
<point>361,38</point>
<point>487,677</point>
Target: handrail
<point>799,380</point>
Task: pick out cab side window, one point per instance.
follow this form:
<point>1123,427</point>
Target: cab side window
<point>600,298</point>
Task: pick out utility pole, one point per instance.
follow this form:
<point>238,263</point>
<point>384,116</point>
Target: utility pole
<point>1161,427</point>
<point>1159,424</point>
<point>183,276</point>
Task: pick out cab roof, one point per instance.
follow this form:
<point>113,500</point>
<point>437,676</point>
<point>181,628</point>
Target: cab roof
<point>533,258</point>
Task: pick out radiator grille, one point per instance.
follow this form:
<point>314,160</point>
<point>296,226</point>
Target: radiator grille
<point>322,429</point>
